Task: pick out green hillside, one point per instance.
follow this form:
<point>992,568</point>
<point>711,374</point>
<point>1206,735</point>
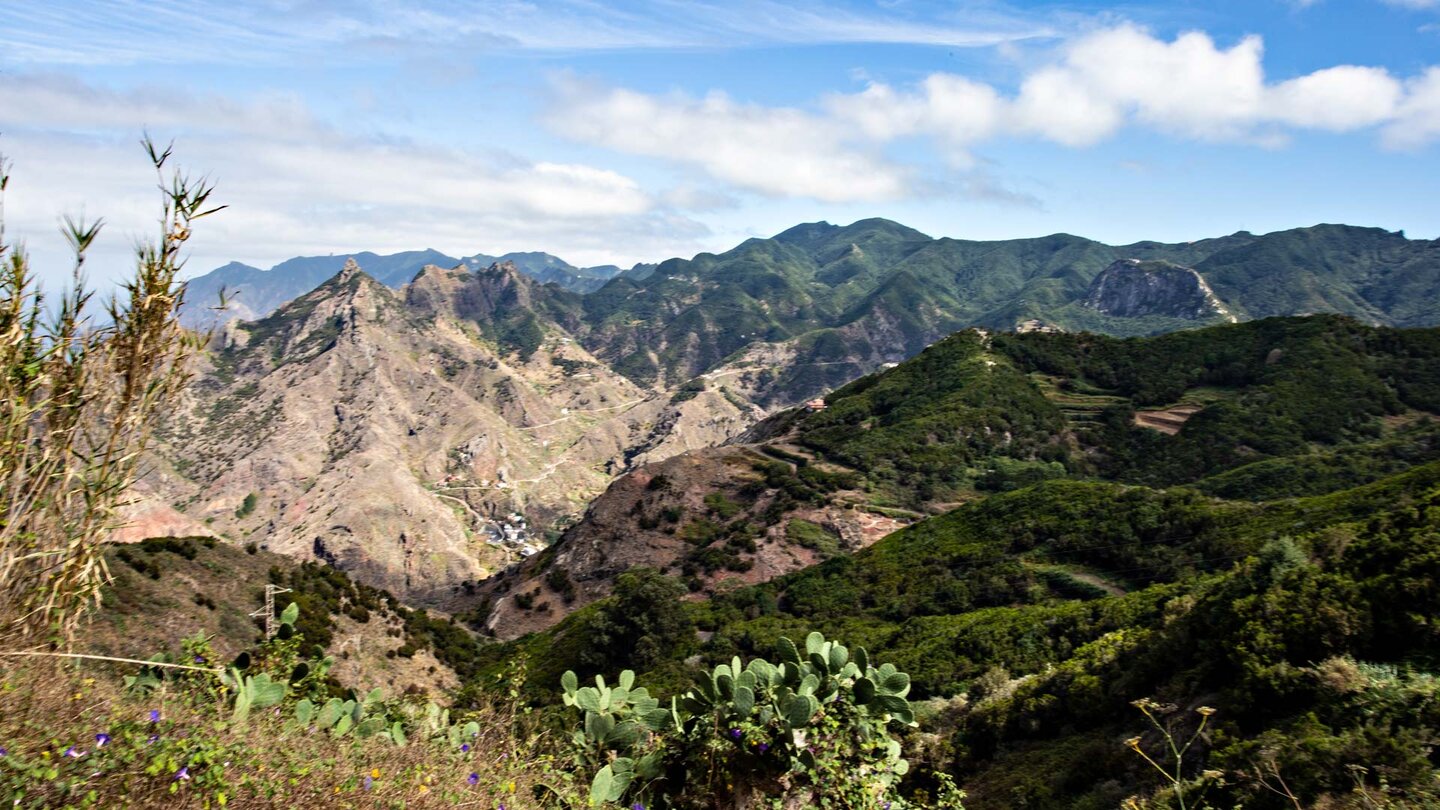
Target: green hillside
<point>993,412</point>
<point>1282,616</point>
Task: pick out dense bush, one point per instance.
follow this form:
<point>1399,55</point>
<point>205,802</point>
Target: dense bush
<point>809,730</point>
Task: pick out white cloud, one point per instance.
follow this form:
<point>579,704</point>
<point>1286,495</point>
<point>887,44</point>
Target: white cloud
<point>1338,99</point>
<point>1192,88</point>
<point>1055,104</point>
<point>298,185</point>
<point>967,111</point>
<point>1417,119</point>
<point>775,151</point>
<point>1095,86</point>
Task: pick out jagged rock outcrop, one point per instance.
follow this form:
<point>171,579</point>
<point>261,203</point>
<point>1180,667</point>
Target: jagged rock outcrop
<point>1130,288</point>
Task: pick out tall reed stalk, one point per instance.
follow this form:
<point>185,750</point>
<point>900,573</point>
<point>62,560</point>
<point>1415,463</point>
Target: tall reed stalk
<point>79,397</point>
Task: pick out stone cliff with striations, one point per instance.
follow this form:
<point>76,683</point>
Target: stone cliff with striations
<point>1130,288</point>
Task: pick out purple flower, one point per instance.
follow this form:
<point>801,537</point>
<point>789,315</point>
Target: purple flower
<point>72,753</point>
<point>101,739</point>
<point>369,780</point>
<point>764,747</point>
<point>199,659</point>
<point>473,779</point>
<point>3,752</point>
<point>154,738</point>
<point>465,748</point>
<point>183,773</point>
<point>736,734</point>
<point>637,806</point>
<point>154,715</point>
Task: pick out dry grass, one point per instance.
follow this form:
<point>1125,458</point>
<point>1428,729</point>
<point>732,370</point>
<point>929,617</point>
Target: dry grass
<point>48,707</point>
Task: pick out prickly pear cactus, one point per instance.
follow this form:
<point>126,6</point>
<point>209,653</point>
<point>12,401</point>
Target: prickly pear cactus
<point>812,717</point>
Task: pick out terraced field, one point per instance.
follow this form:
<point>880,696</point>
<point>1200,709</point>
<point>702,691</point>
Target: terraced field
<point>1078,402</point>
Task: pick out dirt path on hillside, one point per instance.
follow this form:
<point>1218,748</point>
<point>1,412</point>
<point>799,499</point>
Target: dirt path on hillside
<point>567,417</point>
<point>1098,581</point>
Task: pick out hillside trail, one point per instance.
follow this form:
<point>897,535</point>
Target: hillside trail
<point>573,414</point>
<point>710,375</point>
<point>1098,581</point>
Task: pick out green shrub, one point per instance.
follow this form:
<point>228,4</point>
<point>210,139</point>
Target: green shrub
<point>812,729</point>
<point>247,506</point>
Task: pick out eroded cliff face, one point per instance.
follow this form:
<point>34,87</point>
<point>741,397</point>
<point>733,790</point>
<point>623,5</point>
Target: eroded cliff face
<point>1130,288</point>
<point>403,438</point>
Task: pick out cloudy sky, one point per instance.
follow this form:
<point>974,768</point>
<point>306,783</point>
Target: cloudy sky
<point>629,131</point>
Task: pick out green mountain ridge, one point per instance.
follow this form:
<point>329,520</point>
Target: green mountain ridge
<point>879,278</point>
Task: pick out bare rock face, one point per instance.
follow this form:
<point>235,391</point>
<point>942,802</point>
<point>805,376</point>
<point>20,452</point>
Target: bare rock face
<point>1130,288</point>
<point>419,440</point>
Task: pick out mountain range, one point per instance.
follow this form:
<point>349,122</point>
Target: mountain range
<point>423,436</point>
<point>251,293</point>
<point>1248,411</point>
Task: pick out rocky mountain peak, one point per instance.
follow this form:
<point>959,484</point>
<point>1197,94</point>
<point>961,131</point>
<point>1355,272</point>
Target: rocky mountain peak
<point>1131,288</point>
<point>350,270</point>
<point>504,267</point>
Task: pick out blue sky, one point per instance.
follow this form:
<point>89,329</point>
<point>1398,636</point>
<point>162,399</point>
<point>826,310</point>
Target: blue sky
<point>622,132</point>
